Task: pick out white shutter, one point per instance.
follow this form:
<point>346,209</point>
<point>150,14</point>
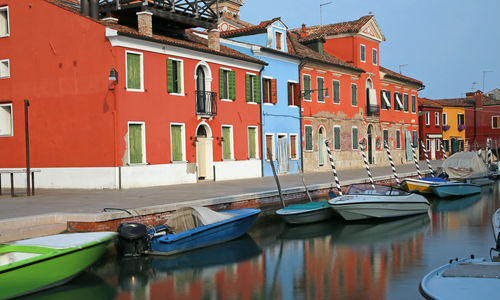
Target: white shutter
<point>373,96</point>
<point>387,102</point>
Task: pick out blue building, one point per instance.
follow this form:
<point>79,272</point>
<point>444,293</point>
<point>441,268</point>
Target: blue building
<point>280,91</point>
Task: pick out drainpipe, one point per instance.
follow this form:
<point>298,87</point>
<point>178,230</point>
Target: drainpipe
<point>302,63</point>
<point>262,137</point>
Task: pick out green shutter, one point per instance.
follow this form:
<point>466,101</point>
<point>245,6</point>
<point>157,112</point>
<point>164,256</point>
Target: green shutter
<point>226,144</point>
<point>221,84</point>
<point>232,85</point>
<point>179,77</point>
<point>307,87</point>
<point>170,77</point>
<point>354,95</point>
<point>256,89</point>
<point>336,134</point>
<point>308,132</point>
<point>251,143</point>
<point>133,71</point>
<point>354,138</point>
<point>336,92</point>
<point>321,92</point>
<point>135,139</point>
<point>176,140</point>
<point>248,88</point>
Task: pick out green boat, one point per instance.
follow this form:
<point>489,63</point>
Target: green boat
<point>32,265</point>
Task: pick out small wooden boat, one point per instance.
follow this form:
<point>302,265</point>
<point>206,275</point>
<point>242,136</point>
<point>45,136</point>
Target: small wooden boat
<point>363,201</point>
<point>306,213</point>
<point>462,279</point>
<point>422,185</point>
<point>187,229</point>
<point>32,265</point>
<point>454,189</point>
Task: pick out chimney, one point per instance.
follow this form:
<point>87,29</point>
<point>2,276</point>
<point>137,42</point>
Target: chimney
<point>84,7</point>
<point>94,9</point>
<point>214,39</point>
<point>145,23</point>
<point>303,32</point>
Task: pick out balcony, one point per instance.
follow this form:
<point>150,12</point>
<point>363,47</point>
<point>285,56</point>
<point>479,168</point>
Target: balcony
<point>373,110</point>
<point>206,103</point>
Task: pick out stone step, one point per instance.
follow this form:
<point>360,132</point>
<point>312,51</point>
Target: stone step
<point>26,232</point>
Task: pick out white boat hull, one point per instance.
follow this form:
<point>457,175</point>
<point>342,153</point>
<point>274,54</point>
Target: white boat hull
<point>305,217</point>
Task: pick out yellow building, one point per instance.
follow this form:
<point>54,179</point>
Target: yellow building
<point>453,128</point>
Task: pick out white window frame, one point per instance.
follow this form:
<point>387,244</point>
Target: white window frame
<point>272,146</point>
<point>352,138</point>
<point>333,92</point>
<point>437,142</point>
<point>427,145</point>
<point>7,63</point>
<point>182,77</point>
<point>340,138</point>
<point>375,57</point>
<point>318,91</point>
<point>142,71</point>
<point>458,123</point>
<point>413,108</point>
<point>270,89</point>
<point>387,137</point>
<point>356,95</point>
<point>304,87</point>
<point>445,118</point>
<point>312,139</point>
<point>282,44</point>
<point>398,139</point>
<point>226,77</point>
<point>408,97</point>
<point>498,117</point>
<point>251,88</point>
<point>11,120</point>
<point>256,142</point>
<point>427,118</point>
<point>362,46</point>
<point>183,141</point>
<point>6,9</point>
<point>231,141</point>
<point>296,146</point>
<point>143,141</point>
<point>436,118</point>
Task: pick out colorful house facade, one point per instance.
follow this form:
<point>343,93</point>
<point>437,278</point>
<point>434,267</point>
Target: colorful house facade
<point>433,122</point>
<point>453,120</point>
<point>123,105</point>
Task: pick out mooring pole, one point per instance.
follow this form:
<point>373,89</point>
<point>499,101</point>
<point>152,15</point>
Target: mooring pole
<point>391,162</point>
<point>488,152</point>
<point>366,165</point>
<point>337,182</point>
<point>416,161</point>
<point>303,181</point>
<point>28,170</point>
<point>443,150</point>
<point>270,156</point>
<point>427,158</point>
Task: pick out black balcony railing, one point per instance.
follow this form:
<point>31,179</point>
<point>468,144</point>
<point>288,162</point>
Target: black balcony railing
<point>373,110</point>
<point>206,103</point>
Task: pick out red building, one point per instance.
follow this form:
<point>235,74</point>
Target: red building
<point>431,131</point>
<point>123,100</point>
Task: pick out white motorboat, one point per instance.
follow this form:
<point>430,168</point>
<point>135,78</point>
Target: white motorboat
<point>363,201</point>
<point>495,222</point>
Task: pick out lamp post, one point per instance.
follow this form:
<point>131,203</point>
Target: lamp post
<point>321,11</point>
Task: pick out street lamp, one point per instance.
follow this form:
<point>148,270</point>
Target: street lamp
<point>321,12</point>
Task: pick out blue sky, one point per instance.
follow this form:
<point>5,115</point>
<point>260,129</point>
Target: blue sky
<point>446,44</point>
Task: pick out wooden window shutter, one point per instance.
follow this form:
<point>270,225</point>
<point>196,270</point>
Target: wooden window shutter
<point>179,76</point>
<point>274,95</point>
<point>251,143</point>
<point>336,133</point>
<point>135,138</point>
<point>176,139</point>
<point>256,89</point>
<point>265,87</point>
<point>248,88</point>
<point>336,92</point>
<point>354,138</point>
<point>221,84</point>
<point>293,146</point>
<point>290,94</point>
<point>296,94</point>
<point>307,87</point>
<point>170,81</point>
<point>308,134</point>
<point>226,144</point>
<point>232,85</point>
<point>133,71</point>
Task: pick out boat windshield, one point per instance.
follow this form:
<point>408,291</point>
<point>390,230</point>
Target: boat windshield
<point>375,189</point>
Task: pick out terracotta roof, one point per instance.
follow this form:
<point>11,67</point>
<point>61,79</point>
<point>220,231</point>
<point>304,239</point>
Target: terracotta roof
<point>487,100</point>
<point>262,27</point>
<point>235,22</point>
<point>308,54</point>
<point>315,32</point>
<point>458,102</point>
<point>425,102</point>
<point>394,75</point>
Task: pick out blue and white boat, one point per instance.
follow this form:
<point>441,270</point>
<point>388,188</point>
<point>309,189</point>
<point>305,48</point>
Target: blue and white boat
<point>455,189</point>
<point>471,278</point>
<point>305,213</point>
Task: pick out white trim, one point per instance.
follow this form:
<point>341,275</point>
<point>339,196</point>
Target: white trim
<point>5,62</point>
<point>141,89</point>
<point>376,57</point>
<point>317,87</point>
<point>413,99</point>
<point>11,120</point>
<point>296,146</point>
<point>362,46</point>
<point>444,117</point>
<point>208,75</point>
<point>340,138</point>
<point>143,141</point>
<point>305,139</point>
<point>183,141</point>
<point>257,156</point>
<point>436,118</point>
<point>498,117</point>
<point>272,146</point>
<point>427,119</point>
<point>352,138</point>
<point>231,141</point>
<point>7,23</point>
<point>182,77</point>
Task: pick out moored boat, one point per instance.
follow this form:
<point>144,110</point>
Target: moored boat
<point>454,189</point>
<point>467,167</point>
<point>495,222</point>
<point>32,265</point>
<point>422,185</point>
<point>310,212</point>
<point>363,201</point>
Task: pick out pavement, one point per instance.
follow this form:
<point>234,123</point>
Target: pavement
<point>58,206</point>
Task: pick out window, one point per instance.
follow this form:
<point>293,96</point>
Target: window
<point>227,142</point>
<point>252,142</point>
<point>4,21</point>
<point>252,88</point>
<point>134,71</point>
<point>363,53</point>
<point>269,91</point>
<point>354,95</point>
<point>415,138</point>
<point>385,97</point>
<point>336,92</point>
<point>427,118</point>
<point>398,139</point>
<point>321,87</point>
<point>227,84</point>
<point>427,145</point>
<point>309,138</point>
<point>461,119</point>
<point>6,125</point>
<point>279,40</point>
<point>177,142</point>
<point>136,143</point>
<point>495,122</point>
<point>436,118</point>
<point>293,94</point>
<point>405,102</point>
<point>307,87</point>
<point>4,68</point>
<point>398,105</point>
<point>354,138</point>
<point>446,144</point>
<point>374,56</point>
<point>174,76</point>
<point>436,141</point>
<point>445,119</point>
<point>294,147</point>
<point>413,104</point>
<point>270,146</point>
<point>336,138</point>
<point>385,135</point>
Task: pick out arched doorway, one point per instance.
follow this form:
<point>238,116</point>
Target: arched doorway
<point>369,147</point>
<point>204,152</point>
<point>321,148</point>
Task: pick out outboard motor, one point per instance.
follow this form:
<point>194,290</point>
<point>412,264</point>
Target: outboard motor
<point>132,239</point>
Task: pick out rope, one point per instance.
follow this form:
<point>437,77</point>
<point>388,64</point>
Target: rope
<point>415,160</point>
<point>392,163</point>
<point>337,182</point>
<point>366,165</point>
<point>427,159</point>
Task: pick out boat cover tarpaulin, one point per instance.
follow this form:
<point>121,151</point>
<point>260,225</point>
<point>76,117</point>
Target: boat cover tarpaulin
<point>191,217</point>
<point>463,165</point>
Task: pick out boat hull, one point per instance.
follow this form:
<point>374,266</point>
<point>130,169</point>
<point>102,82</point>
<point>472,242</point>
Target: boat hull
<point>207,235</point>
<point>455,189</point>
<point>306,213</point>
<point>422,186</point>
<point>495,222</point>
<point>47,270</point>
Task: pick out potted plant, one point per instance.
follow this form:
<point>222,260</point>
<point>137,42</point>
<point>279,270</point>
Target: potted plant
<point>461,127</point>
<point>446,127</point>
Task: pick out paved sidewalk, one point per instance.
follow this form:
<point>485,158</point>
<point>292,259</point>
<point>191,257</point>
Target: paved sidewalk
<point>89,202</point>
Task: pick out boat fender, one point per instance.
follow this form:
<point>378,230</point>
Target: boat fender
<point>132,239</point>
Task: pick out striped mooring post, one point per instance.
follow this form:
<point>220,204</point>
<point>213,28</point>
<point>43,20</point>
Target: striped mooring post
<point>416,161</point>
<point>479,153</point>
<point>496,150</point>
<point>427,158</point>
<point>443,150</point>
<point>488,151</point>
<point>390,161</point>
<point>366,165</point>
<point>337,182</point>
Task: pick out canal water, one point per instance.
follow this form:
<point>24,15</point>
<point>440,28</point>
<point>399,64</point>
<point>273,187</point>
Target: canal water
<point>329,260</point>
